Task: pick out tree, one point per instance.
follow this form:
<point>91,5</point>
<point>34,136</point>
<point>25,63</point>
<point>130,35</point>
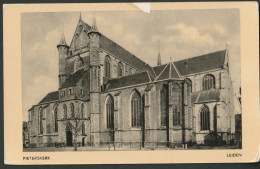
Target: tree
<point>75,125</point>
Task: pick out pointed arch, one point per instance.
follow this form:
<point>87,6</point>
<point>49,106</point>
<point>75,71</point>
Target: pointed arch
<point>208,82</point>
<point>107,67</point>
<point>55,118</point>
<point>163,105</point>
<point>64,111</point>
<point>136,109</point>
<point>110,111</point>
<point>72,115</point>
<point>204,118</point>
<point>188,80</point>
<point>40,120</point>
<point>119,69</point>
<point>82,110</point>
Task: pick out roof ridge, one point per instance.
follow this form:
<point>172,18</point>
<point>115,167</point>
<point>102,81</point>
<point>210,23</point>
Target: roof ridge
<point>200,55</point>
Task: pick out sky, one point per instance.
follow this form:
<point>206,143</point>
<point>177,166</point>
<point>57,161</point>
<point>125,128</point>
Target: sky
<point>182,34</point>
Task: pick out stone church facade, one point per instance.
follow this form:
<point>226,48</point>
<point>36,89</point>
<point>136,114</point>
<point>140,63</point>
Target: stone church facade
<point>121,100</point>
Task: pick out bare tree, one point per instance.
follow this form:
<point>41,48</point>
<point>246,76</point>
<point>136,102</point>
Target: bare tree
<point>75,124</point>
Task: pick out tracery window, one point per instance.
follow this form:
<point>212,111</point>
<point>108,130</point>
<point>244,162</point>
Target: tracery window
<point>120,69</point>
<point>56,119</point>
<point>110,112</point>
<point>41,121</point>
<point>65,111</point>
<point>72,110</point>
<point>208,82</point>
<point>107,67</point>
<point>136,114</point>
<point>204,118</point>
<point>176,116</point>
<point>163,106</point>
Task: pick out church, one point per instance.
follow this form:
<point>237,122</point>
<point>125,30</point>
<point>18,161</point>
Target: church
<point>122,101</point>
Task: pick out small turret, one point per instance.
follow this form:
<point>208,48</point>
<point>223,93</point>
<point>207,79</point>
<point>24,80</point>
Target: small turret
<point>94,37</point>
<point>63,49</point>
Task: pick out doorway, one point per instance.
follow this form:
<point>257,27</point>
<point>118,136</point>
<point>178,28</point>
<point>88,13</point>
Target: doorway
<point>69,138</point>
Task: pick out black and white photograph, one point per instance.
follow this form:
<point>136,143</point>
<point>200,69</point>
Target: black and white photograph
<point>131,81</point>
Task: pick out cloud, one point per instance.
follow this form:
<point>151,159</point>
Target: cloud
<point>189,35</point>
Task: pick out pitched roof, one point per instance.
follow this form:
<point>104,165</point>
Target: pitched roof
<point>122,54</point>
<point>205,96</point>
<point>73,79</point>
<point>129,80</point>
<point>201,63</point>
<point>52,96</point>
<point>197,64</point>
<point>169,72</point>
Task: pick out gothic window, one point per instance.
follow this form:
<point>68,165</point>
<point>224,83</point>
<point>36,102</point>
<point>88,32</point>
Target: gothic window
<point>163,106</point>
<point>176,116</point>
<point>189,84</point>
<point>110,112</point>
<point>204,118</point>
<point>65,111</point>
<point>82,110</point>
<point>72,110</point>
<point>120,69</point>
<point>41,121</point>
<point>215,124</point>
<point>208,82</point>
<point>136,110</point>
<point>83,128</point>
<point>107,67</point>
<point>55,119</point>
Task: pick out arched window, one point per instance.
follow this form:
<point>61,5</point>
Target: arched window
<point>110,112</point>
<point>65,111</point>
<point>107,67</point>
<point>83,128</point>
<point>163,106</point>
<point>176,116</point>
<point>56,119</point>
<point>208,82</point>
<point>72,110</point>
<point>82,110</point>
<point>215,114</point>
<point>40,121</point>
<point>120,69</point>
<point>136,109</point>
<point>204,118</point>
<point>189,84</point>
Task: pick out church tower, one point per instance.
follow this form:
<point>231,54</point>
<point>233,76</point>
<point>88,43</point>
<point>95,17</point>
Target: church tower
<point>95,87</point>
<point>63,54</point>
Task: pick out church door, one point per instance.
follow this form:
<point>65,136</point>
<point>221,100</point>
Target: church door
<point>69,138</point>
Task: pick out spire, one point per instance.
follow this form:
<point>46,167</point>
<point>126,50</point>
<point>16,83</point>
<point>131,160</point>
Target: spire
<point>94,28</point>
<point>62,41</point>
<point>80,18</point>
<point>159,57</point>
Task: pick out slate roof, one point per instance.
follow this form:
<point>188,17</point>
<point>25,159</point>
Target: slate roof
<point>129,80</point>
<point>205,96</point>
<point>197,64</point>
<point>73,79</point>
<point>201,63</point>
<point>122,54</point>
<point>168,72</point>
<point>52,96</point>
